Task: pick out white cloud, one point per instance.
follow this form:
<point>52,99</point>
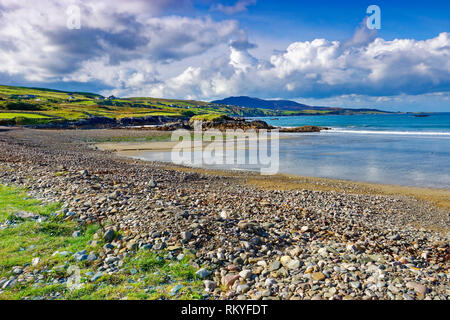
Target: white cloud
<point>132,48</point>
<point>36,43</point>
<point>322,68</point>
<point>239,6</point>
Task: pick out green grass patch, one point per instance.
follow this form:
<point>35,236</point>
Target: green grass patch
<point>144,275</point>
<point>12,115</point>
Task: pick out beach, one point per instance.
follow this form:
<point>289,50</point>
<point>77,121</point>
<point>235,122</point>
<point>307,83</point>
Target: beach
<point>252,236</point>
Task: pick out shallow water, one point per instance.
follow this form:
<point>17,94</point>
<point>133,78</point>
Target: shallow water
<point>401,150</point>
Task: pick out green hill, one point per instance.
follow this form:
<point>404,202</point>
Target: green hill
<point>22,105</point>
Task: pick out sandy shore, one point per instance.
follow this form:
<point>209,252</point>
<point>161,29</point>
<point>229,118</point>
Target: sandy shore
<point>436,196</point>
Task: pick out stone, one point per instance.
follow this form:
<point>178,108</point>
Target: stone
<point>355,284</point>
<point>96,276</point>
<point>245,274</point>
<point>203,273</point>
<point>223,214</point>
<point>91,257</point>
<point>186,235</point>
<point>323,252</point>
<point>269,282</point>
<point>228,280</point>
<point>9,284</point>
<point>293,264</point>
<point>317,276</point>
<point>242,288</point>
<point>25,215</point>
<point>417,287</point>
<point>17,270</point>
<point>209,285</point>
<point>285,260</point>
<point>275,265</point>
<point>109,235</point>
<point>76,234</point>
<point>152,183</point>
<point>174,291</point>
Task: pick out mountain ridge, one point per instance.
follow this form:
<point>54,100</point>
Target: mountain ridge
<point>282,105</point>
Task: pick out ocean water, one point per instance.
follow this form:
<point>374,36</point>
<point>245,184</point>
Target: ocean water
<point>392,149</point>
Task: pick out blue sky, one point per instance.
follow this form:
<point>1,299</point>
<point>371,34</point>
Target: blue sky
<point>316,52</point>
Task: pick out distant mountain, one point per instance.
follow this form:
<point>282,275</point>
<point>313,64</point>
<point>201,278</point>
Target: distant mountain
<point>286,105</point>
<point>249,102</point>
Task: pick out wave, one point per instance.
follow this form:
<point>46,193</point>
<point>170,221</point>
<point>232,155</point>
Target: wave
<point>417,133</point>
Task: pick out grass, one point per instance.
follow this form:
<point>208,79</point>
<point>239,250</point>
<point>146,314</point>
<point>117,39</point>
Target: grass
<point>144,275</point>
<point>208,117</point>
<point>10,115</point>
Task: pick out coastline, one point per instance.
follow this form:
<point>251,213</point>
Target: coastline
<point>308,234</point>
<point>282,181</point>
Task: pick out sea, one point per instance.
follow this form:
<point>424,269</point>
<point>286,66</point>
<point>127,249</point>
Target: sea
<point>398,149</point>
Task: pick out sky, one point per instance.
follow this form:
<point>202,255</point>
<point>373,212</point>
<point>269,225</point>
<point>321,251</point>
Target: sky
<point>315,52</point>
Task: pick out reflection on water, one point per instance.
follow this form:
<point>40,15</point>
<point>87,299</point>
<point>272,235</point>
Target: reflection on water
<point>393,159</point>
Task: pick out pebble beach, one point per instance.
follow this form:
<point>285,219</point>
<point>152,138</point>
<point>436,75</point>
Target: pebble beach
<point>271,238</point>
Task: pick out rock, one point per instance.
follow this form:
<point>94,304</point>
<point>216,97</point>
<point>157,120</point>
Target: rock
<point>109,235</point>
<point>318,276</point>
<point>269,282</point>
<point>293,264</point>
<point>203,273</point>
<point>81,257</point>
<point>186,235</point>
<point>96,276</point>
<point>91,257</point>
<point>180,257</point>
<point>76,234</point>
<point>275,265</point>
<point>245,274</point>
<point>132,246</point>
<point>351,247</point>
<point>111,260</point>
<point>152,183</point>
<point>419,288</point>
<point>209,285</point>
<point>156,234</point>
<point>17,270</point>
<point>9,284</point>
<point>174,291</point>
<point>355,284</point>
<point>242,288</point>
<point>223,214</point>
<point>285,260</point>
<point>323,252</point>
<point>25,215</point>
<point>228,280</point>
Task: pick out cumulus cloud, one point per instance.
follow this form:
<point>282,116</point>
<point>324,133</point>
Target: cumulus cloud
<point>322,68</point>
<point>134,48</point>
<point>239,6</point>
<point>36,43</point>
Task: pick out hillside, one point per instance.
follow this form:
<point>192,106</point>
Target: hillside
<point>24,106</point>
<point>288,107</point>
<point>21,105</point>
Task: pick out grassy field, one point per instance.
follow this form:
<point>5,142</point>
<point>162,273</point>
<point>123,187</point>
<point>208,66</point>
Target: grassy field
<point>35,103</point>
<point>144,274</point>
<point>12,115</point>
<point>22,106</point>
